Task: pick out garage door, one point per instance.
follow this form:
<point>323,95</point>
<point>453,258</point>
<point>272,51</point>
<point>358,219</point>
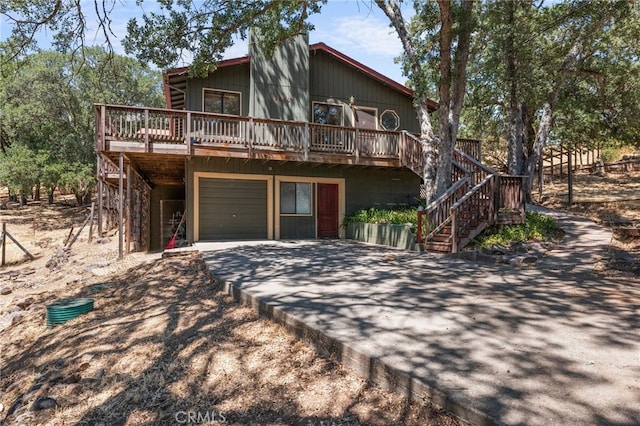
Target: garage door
<point>233,209</point>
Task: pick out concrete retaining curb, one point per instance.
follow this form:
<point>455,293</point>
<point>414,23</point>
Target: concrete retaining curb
<point>367,367</point>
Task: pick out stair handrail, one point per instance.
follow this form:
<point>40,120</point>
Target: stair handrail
<point>470,193</point>
<point>458,206</point>
<point>429,211</point>
<point>445,195</point>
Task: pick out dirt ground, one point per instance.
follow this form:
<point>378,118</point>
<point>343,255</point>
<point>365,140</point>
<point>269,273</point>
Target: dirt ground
<point>612,200</point>
<point>163,346</point>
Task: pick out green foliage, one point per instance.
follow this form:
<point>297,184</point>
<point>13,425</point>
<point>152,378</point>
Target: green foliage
<point>51,176</point>
<point>402,215</point>
<point>537,227</point>
<point>614,151</point>
<point>610,154</point>
<point>20,170</point>
<point>48,99</point>
<point>79,179</point>
<point>206,31</point>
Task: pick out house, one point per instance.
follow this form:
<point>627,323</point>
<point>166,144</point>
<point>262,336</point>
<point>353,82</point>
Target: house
<point>262,148</point>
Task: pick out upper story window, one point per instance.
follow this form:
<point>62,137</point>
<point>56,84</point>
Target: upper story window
<point>389,120</point>
<point>326,113</point>
<point>365,117</point>
<point>221,102</point>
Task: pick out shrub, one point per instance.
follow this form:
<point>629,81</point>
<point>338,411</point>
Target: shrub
<point>537,227</point>
<point>396,216</point>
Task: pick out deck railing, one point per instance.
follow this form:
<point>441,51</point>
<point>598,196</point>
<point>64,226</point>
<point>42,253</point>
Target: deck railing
<point>189,128</point>
<point>478,198</point>
<point>510,200</point>
<point>437,214</point>
<point>472,212</point>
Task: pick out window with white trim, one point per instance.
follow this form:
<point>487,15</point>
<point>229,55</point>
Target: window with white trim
<point>295,198</point>
<point>389,120</point>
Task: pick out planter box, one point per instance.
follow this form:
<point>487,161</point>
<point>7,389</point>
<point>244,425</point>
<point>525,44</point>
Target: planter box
<point>400,236</point>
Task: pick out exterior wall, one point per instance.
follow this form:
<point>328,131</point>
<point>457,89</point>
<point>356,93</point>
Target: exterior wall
<point>280,84</point>
<point>381,188</point>
<point>158,193</point>
<point>361,187</point>
<point>285,87</point>
<point>233,78</point>
<point>333,81</point>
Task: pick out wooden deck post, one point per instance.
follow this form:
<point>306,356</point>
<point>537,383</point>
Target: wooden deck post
<point>419,230</point>
<point>3,241</point>
<point>551,159</point>
<point>187,135</point>
<point>357,146</point>
<point>102,130</point>
<point>570,179</point>
<point>305,141</point>
<point>128,211</point>
<point>120,206</point>
<point>99,195</point>
<point>146,130</point>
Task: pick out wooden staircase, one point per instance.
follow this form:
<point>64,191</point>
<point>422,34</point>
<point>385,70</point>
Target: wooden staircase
<point>478,198</point>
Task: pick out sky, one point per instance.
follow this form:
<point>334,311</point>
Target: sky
<point>357,28</point>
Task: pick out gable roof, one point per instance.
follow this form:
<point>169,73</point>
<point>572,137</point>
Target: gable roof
<point>175,80</point>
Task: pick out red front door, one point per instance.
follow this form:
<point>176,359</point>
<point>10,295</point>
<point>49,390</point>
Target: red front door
<point>327,210</point>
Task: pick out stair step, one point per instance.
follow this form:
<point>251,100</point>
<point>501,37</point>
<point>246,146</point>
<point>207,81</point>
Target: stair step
<point>441,238</point>
<point>438,246</point>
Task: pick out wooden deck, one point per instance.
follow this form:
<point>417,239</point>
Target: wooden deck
<point>148,135</point>
<point>158,140</point>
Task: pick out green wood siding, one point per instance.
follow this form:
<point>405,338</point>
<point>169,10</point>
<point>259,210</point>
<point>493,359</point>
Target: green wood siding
<point>280,83</point>
<point>234,78</point>
<point>333,81</point>
<point>365,187</point>
<point>294,227</point>
<point>232,209</point>
<point>381,188</point>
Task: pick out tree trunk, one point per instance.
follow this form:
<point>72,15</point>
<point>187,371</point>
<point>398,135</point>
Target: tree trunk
<point>446,130</point>
<point>515,160</point>
<point>50,195</point>
<point>544,127</point>
<point>515,150</point>
<point>453,80</point>
<point>452,86</point>
<point>429,157</point>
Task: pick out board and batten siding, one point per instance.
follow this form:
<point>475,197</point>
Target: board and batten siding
<point>333,81</point>
<point>280,82</point>
<point>234,78</point>
<point>364,187</point>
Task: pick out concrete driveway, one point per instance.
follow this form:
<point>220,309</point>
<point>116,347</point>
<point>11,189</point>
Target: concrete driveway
<point>493,344</point>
